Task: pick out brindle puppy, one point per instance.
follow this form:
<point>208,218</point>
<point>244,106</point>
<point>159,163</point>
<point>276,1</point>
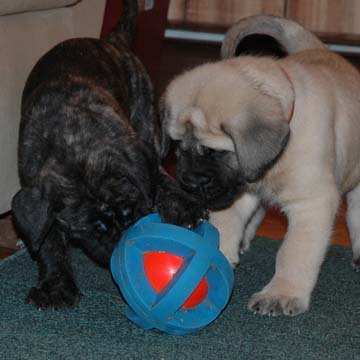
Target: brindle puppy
<point>89,158</point>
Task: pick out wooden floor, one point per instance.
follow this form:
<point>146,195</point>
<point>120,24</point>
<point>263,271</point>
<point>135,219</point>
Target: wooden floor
<point>5,252</point>
<point>274,226</point>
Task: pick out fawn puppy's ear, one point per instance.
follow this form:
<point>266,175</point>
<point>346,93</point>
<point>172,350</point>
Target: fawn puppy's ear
<point>258,144</point>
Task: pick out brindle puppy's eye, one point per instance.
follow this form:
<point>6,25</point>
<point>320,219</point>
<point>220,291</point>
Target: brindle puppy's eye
<point>100,227</point>
<point>108,214</point>
<point>126,212</point>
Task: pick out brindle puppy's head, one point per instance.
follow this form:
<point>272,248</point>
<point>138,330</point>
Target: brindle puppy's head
<point>119,189</point>
<point>229,122</point>
<point>97,179</point>
<point>92,209</point>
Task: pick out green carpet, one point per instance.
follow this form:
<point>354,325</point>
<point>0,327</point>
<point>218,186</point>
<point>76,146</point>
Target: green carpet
<point>98,329</point>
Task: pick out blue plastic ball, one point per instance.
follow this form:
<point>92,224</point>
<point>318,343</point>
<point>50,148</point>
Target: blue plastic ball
<point>172,309</point>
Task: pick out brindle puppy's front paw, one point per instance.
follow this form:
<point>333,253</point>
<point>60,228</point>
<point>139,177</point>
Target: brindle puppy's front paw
<point>54,293</point>
<point>181,209</point>
<point>274,305</point>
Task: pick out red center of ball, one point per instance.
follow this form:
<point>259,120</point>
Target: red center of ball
<point>160,268</point>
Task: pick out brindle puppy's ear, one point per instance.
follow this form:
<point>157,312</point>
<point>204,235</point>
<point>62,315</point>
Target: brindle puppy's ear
<point>258,145</point>
<point>33,216</point>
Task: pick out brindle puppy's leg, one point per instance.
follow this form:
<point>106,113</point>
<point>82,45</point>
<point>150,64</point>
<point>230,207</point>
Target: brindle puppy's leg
<point>56,287</point>
<point>49,247</point>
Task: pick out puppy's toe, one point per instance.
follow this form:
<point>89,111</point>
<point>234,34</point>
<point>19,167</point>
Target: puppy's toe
<point>232,254</point>
<point>54,293</point>
<point>234,263</point>
<point>244,246</point>
<point>356,264</point>
<point>274,305</point>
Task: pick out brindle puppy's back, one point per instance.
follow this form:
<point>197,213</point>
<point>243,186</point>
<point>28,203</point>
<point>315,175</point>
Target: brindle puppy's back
<point>103,67</point>
<point>107,80</point>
